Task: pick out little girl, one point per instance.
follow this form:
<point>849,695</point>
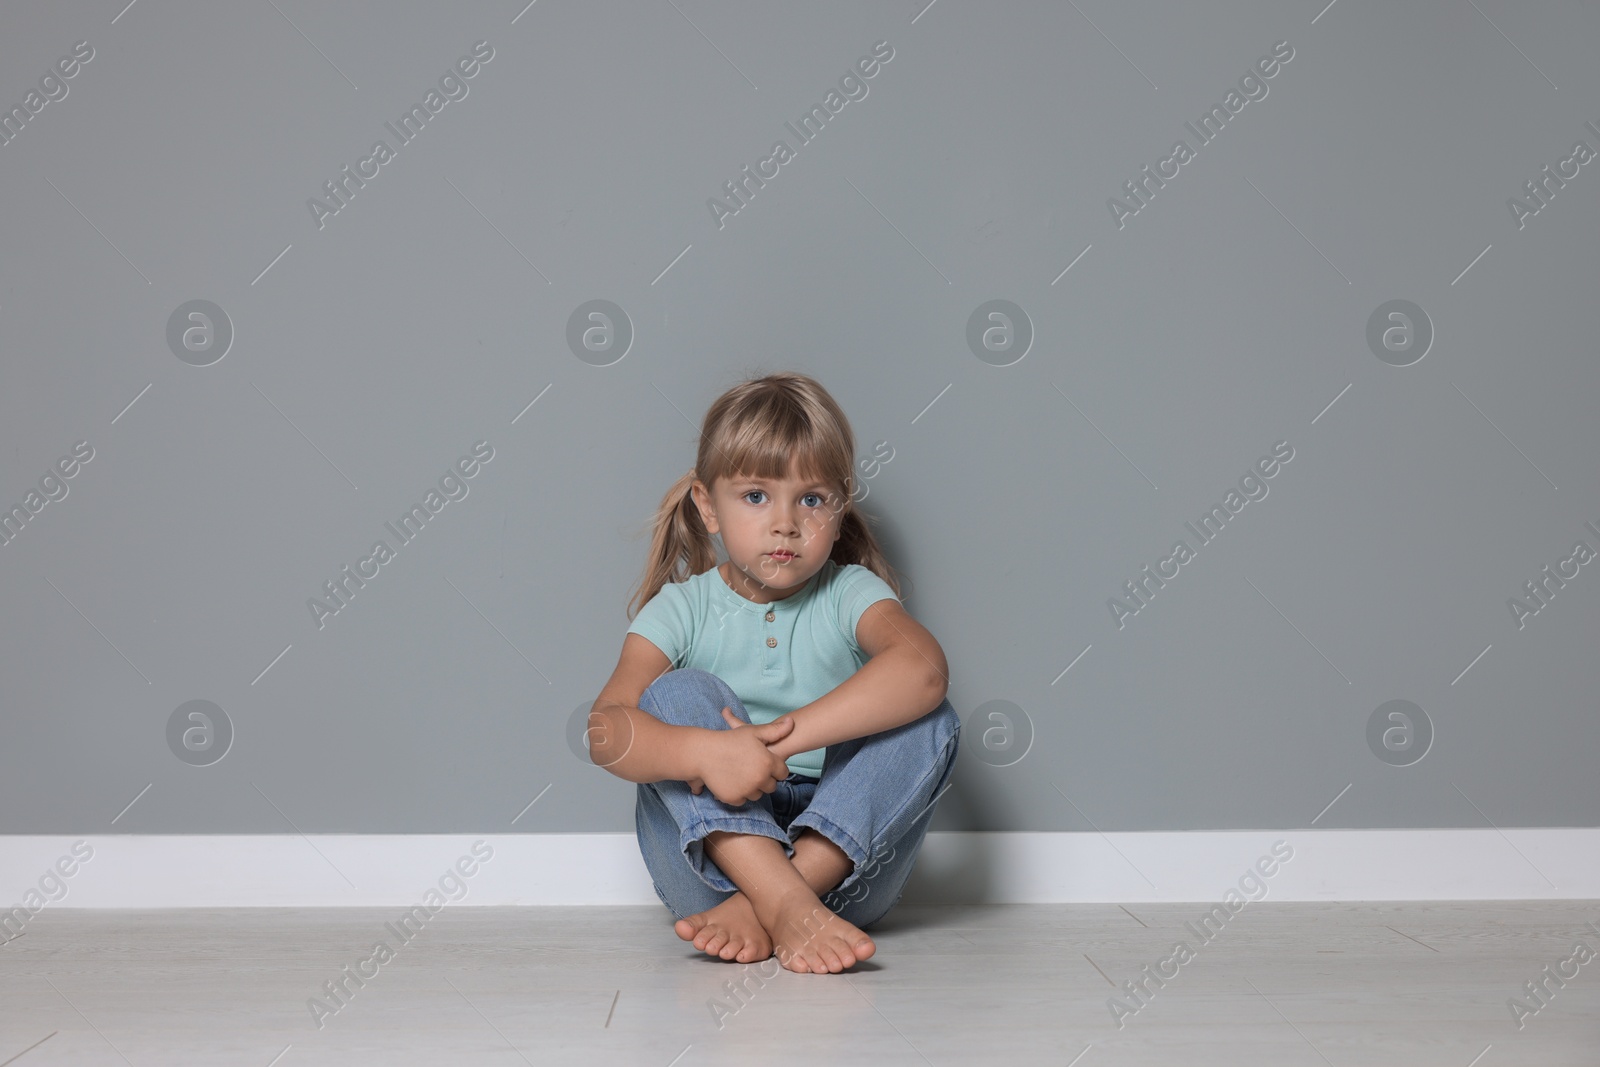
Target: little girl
<point>800,744</point>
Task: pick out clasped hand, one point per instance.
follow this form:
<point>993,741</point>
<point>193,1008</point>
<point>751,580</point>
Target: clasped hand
<point>736,764</point>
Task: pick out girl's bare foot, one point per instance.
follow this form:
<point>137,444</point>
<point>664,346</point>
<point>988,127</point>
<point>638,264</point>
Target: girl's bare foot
<point>729,931</point>
<point>810,939</point>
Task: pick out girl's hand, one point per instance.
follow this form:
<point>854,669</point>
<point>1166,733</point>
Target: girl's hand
<point>697,784</point>
<point>736,765</point>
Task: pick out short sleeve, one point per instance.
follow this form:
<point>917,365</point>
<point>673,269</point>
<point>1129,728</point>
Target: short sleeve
<point>858,589</point>
<point>666,621</point>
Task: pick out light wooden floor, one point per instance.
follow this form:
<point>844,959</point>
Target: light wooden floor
<point>1417,984</point>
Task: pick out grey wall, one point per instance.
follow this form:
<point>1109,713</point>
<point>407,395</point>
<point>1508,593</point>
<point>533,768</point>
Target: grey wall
<point>352,361</point>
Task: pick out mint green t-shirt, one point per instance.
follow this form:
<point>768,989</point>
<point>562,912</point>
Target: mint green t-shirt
<point>776,657</point>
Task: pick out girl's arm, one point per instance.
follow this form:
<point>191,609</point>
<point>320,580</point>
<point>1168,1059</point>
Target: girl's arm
<point>905,677</point>
<point>638,747</point>
<point>736,764</point>
<point>627,741</point>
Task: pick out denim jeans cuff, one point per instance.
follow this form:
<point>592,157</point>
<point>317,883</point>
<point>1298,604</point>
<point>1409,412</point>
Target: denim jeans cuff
<point>693,843</point>
<point>838,835</point>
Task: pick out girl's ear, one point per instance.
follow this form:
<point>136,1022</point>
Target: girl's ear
<point>702,500</point>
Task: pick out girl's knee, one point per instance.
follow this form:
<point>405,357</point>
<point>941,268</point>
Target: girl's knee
<point>942,726</point>
<point>705,680</point>
<point>654,693</point>
<point>677,681</point>
<point>950,727</point>
<point>684,688</point>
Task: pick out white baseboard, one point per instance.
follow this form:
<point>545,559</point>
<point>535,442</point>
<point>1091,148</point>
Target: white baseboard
<point>366,870</point>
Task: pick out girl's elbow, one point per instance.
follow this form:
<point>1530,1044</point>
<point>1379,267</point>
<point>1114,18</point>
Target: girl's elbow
<point>939,678</point>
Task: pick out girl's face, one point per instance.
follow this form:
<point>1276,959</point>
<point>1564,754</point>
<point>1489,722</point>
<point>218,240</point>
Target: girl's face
<point>758,517</point>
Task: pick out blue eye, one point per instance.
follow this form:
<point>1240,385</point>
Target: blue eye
<point>761,492</point>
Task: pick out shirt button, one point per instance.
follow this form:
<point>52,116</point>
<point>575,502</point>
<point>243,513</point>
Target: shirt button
<point>772,642</point>
<point>771,616</point>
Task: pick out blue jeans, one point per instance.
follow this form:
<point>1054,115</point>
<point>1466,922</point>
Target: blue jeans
<point>874,800</point>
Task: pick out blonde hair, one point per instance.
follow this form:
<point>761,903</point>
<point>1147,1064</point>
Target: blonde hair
<point>757,429</point>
